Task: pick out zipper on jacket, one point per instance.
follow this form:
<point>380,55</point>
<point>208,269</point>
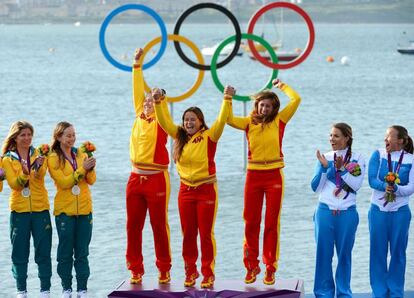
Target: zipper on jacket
<point>30,202</point>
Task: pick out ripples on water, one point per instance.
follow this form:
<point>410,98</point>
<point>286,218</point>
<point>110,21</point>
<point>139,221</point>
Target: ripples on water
<point>76,84</point>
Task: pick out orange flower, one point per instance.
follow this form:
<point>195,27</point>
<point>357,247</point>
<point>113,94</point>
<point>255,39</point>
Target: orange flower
<point>390,178</point>
<point>43,149</point>
<point>88,147</point>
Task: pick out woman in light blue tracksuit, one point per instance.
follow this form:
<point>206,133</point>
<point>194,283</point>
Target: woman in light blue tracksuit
<point>389,221</point>
<point>336,219</point>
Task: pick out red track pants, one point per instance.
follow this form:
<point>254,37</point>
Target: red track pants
<point>258,184</point>
<point>197,206</point>
<point>150,192</point>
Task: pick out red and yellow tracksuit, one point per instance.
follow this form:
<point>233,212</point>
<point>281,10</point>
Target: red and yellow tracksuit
<point>150,192</point>
<point>1,181</point>
<point>29,218</point>
<point>264,177</point>
<point>198,195</point>
<point>73,217</point>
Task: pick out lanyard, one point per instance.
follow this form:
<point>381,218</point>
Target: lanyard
<point>337,175</point>
<point>73,163</point>
<point>27,163</point>
<point>397,168</point>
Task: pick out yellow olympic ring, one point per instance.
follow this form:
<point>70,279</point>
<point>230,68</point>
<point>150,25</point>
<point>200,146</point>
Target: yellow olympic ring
<point>199,57</point>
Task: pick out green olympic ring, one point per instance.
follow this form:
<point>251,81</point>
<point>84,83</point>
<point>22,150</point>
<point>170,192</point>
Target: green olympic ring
<point>230,39</point>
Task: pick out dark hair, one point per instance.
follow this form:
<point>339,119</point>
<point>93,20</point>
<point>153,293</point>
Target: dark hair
<point>403,134</point>
<point>55,146</point>
<point>346,130</point>
<point>265,94</point>
<point>15,129</point>
<point>182,137</point>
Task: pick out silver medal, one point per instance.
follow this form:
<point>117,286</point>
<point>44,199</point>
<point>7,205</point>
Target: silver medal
<point>75,190</point>
<point>341,195</point>
<point>26,192</point>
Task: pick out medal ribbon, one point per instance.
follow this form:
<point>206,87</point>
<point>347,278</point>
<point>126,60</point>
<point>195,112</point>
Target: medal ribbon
<point>397,168</point>
<point>27,162</point>
<point>390,169</point>
<point>338,179</point>
<point>73,163</point>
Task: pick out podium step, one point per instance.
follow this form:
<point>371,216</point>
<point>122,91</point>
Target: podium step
<point>283,288</point>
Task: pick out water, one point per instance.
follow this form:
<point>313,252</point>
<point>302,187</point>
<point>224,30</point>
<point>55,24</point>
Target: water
<point>75,83</point>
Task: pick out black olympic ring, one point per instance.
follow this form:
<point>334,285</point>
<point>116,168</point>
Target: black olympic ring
<point>221,9</point>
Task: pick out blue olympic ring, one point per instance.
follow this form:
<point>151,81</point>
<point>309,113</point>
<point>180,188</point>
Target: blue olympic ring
<point>146,9</point>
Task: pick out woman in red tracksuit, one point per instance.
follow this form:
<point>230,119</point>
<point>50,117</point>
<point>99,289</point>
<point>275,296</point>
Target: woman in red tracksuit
<point>148,186</point>
<point>194,151</point>
<point>264,129</point>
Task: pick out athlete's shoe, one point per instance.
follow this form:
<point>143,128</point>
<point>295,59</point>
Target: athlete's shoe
<point>208,281</point>
<point>269,278</point>
<point>67,294</point>
<point>251,275</point>
<point>82,294</point>
<point>136,278</point>
<point>44,294</point>
<point>21,294</point>
<point>164,277</point>
<point>190,279</point>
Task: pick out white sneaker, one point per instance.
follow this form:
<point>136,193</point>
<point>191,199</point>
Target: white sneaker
<point>67,294</point>
<point>21,294</point>
<point>82,294</point>
<point>44,294</point>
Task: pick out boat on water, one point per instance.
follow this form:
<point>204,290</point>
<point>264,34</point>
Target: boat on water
<point>407,49</point>
<point>209,51</point>
<point>281,55</point>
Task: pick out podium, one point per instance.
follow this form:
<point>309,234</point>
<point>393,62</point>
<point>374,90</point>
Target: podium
<point>283,288</point>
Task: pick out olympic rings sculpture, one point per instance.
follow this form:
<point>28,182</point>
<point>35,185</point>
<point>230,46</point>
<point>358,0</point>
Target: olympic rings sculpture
<point>236,39</point>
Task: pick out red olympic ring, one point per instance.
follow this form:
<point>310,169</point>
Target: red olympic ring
<point>309,46</point>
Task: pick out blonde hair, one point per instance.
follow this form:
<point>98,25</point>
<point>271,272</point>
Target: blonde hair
<point>16,128</point>
<point>55,143</point>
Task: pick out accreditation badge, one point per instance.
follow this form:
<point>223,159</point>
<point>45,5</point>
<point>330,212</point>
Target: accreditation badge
<point>75,190</point>
<point>339,195</point>
<point>26,192</point>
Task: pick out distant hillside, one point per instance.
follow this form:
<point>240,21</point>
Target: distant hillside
<point>94,11</point>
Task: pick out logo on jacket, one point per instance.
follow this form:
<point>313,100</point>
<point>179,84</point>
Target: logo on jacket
<point>143,117</point>
<point>198,139</point>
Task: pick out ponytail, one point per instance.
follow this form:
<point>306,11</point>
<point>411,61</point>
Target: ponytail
<point>407,140</point>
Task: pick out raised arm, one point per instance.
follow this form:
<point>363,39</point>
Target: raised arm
<point>2,174</point>
<point>162,114</point>
<point>138,83</point>
<point>216,129</point>
<point>320,177</point>
<point>237,122</point>
<point>288,111</point>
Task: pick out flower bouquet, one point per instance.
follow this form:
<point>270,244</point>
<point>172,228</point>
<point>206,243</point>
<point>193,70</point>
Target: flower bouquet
<point>88,148</point>
<point>342,190</point>
<point>353,168</point>
<point>44,151</point>
<point>391,179</point>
